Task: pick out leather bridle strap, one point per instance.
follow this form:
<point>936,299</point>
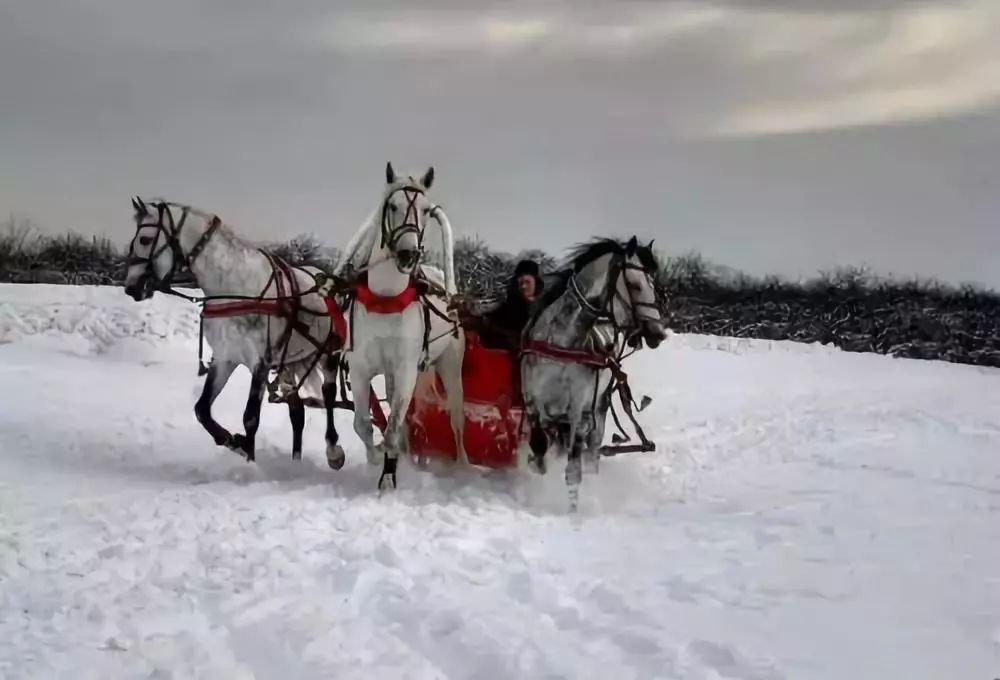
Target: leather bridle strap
<point>411,222</point>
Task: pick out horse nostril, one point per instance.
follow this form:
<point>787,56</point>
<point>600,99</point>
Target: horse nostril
<point>407,257</point>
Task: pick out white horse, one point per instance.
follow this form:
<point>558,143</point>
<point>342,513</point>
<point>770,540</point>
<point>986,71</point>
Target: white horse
<point>259,312</point>
<point>398,324</point>
<point>605,296</point>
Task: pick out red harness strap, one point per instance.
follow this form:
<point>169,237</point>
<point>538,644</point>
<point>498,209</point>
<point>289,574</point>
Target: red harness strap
<point>214,309</point>
<point>337,316</point>
<point>579,356</point>
<point>377,304</point>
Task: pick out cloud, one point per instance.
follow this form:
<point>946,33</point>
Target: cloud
<point>864,68</point>
<point>825,66</point>
<point>550,29</point>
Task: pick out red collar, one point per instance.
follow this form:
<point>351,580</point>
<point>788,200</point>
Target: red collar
<point>377,304</point>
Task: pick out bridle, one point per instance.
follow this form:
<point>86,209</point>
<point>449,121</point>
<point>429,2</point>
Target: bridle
<point>609,357</point>
<point>170,231</point>
<point>411,223</point>
<point>604,310</point>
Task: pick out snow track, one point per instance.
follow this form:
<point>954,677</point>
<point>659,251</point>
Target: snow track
<point>809,514</point>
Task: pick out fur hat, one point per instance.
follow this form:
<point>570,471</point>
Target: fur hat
<point>527,267</point>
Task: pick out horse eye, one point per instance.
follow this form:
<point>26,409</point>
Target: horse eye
<point>392,207</point>
<point>145,240</point>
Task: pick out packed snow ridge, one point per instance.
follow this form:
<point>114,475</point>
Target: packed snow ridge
<point>808,513</point>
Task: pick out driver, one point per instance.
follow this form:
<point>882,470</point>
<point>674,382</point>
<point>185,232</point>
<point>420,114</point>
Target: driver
<point>501,328</point>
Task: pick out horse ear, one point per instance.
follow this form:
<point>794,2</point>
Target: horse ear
<point>138,206</point>
<point>632,244</point>
<point>428,179</point>
<point>390,174</point>
<point>650,246</point>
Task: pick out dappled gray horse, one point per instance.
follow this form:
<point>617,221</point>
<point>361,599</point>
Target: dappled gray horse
<point>603,298</point>
<point>259,312</point>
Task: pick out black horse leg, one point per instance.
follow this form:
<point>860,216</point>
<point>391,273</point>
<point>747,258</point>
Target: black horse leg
<point>251,414</point>
<point>297,416</point>
<point>334,452</point>
<point>335,456</point>
<point>215,380</point>
<point>539,443</point>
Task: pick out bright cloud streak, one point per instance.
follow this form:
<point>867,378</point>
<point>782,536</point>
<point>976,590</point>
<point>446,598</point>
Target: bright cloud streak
<point>915,63</point>
<point>818,70</point>
<point>554,31</point>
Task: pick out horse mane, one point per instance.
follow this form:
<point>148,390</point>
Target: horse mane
<point>582,254</point>
<point>224,229</point>
<point>586,252</point>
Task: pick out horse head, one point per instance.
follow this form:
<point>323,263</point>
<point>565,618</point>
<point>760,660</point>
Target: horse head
<point>153,253</point>
<point>157,251</point>
<point>405,208</point>
<point>616,281</point>
<point>635,285</point>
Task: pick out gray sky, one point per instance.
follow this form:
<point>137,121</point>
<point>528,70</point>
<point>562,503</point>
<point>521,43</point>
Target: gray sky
<point>774,136</point>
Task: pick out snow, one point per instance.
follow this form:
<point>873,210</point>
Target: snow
<point>809,513</point>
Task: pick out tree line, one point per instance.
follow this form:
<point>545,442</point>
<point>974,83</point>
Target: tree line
<point>850,307</point>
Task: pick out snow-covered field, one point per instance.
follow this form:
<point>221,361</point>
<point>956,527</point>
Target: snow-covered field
<point>809,514</point>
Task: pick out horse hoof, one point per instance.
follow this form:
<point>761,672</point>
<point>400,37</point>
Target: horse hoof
<point>388,473</point>
<point>241,446</point>
<point>335,457</point>
<point>296,455</point>
<point>537,464</point>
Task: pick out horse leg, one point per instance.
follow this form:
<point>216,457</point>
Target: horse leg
<point>335,455</point>
<point>539,443</point>
<point>251,414</point>
<point>360,390</point>
<point>592,450</point>
<point>574,467</point>
<point>297,416</point>
<point>218,375</point>
<point>403,381</point>
<point>449,367</point>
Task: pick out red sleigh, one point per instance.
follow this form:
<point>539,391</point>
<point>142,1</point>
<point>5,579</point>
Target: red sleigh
<point>493,410</point>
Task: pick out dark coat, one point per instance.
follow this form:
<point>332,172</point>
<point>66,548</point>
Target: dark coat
<point>502,326</point>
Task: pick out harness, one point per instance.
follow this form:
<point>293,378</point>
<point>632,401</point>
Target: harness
<point>286,304</point>
<point>358,292</point>
<point>416,291</point>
